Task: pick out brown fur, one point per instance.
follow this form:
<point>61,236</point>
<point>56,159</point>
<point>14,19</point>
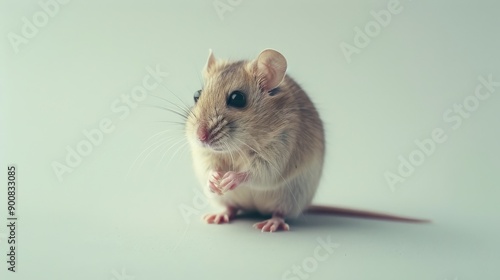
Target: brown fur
<point>277,138</point>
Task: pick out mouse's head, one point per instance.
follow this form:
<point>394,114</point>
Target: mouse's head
<point>235,107</point>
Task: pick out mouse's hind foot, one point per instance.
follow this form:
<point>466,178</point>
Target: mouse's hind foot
<point>223,217</point>
<point>277,222</point>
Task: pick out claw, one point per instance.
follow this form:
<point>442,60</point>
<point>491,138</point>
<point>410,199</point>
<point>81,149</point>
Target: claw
<point>274,224</point>
<point>213,182</point>
<point>231,180</point>
<point>221,218</point>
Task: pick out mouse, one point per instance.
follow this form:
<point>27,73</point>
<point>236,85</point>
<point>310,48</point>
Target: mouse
<point>258,143</point>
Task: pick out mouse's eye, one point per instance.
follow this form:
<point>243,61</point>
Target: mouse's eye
<point>197,95</point>
<point>237,99</point>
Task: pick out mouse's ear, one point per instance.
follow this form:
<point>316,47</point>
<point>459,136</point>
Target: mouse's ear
<point>210,63</point>
<point>270,68</point>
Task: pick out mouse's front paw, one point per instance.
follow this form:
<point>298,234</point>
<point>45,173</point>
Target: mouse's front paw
<point>213,182</point>
<point>231,180</point>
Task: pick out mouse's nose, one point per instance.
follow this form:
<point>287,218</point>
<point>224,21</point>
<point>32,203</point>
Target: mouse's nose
<point>203,133</point>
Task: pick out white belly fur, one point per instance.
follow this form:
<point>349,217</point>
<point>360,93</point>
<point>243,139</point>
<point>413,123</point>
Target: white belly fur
<point>289,199</point>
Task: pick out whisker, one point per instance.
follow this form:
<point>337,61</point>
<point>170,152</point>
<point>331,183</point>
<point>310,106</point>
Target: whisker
<point>180,123</point>
<point>178,149</point>
<point>156,134</point>
<point>185,110</point>
<point>240,151</point>
<point>230,154</point>
<point>164,141</point>
<point>275,168</point>
<point>157,144</point>
<point>188,108</point>
<point>165,109</point>
<point>164,153</point>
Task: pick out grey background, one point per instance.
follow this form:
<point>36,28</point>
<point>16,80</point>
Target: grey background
<point>116,215</point>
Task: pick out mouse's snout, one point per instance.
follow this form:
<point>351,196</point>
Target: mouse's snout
<point>203,134</point>
<point>210,135</point>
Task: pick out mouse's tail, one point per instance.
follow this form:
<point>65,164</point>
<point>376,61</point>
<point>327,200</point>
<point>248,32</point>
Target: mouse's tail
<point>329,210</point>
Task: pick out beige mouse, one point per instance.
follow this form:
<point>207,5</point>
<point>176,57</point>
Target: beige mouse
<point>257,141</point>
